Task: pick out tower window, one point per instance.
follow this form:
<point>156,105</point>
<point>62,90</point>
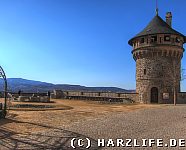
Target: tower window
<point>145,71</point>
<point>167,38</point>
<point>142,40</point>
<point>178,40</point>
<point>153,39</point>
<point>160,39</point>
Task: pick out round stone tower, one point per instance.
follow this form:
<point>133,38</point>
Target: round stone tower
<point>158,50</point>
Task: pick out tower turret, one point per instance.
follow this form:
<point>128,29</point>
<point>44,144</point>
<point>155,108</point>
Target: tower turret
<point>158,50</point>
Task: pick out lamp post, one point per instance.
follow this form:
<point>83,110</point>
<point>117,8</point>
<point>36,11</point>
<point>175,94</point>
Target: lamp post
<point>3,75</point>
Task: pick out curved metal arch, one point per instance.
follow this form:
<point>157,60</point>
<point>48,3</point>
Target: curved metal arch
<point>3,75</point>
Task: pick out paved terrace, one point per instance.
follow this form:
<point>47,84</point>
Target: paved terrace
<point>55,129</point>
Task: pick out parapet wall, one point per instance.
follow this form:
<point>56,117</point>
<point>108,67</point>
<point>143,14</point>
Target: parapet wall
<point>133,96</point>
<point>181,98</point>
<point>94,95</point>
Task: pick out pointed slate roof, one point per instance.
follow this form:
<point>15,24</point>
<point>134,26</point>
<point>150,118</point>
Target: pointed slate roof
<point>157,26</point>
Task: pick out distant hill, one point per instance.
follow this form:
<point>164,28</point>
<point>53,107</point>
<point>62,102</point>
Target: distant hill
<point>16,84</point>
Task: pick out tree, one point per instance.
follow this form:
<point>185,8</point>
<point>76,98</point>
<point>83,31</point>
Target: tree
<point>181,77</point>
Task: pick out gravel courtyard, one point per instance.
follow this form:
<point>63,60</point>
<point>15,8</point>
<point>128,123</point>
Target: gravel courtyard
<point>157,123</point>
<point>55,129</point>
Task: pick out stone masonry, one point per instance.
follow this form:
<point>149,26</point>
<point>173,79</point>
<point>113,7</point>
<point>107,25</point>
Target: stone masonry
<point>158,51</point>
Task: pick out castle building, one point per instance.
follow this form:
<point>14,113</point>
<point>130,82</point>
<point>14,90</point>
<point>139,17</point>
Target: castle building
<point>158,50</point>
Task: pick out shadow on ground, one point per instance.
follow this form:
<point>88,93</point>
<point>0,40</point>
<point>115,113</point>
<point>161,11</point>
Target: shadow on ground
<point>53,139</point>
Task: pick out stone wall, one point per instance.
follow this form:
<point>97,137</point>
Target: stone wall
<point>96,95</point>
<point>132,96</point>
<point>159,69</point>
<point>39,99</point>
<point>181,98</point>
<point>57,94</point>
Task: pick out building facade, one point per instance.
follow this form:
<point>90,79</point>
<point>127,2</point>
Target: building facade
<point>158,50</point>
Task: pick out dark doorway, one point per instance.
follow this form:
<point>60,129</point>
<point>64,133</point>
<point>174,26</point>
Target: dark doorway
<point>154,95</point>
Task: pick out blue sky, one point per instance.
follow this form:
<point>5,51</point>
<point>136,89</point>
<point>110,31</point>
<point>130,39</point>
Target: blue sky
<point>77,41</point>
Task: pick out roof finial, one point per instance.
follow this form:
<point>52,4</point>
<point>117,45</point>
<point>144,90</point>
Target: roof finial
<point>157,7</point>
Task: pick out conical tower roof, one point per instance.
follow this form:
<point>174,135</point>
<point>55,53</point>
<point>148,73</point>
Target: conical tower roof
<point>157,26</point>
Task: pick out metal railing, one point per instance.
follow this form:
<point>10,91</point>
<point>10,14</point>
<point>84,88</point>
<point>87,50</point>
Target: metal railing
<point>3,75</point>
